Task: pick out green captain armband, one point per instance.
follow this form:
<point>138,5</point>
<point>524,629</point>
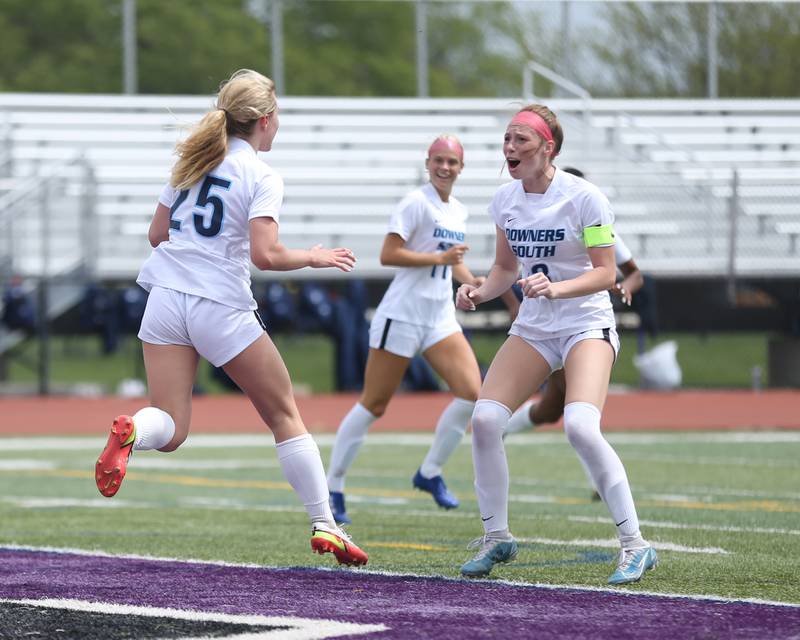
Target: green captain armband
<point>599,235</point>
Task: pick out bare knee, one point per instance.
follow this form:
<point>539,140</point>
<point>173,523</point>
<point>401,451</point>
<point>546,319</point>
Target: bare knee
<point>173,444</point>
<point>470,394</point>
<point>376,407</point>
<point>177,441</point>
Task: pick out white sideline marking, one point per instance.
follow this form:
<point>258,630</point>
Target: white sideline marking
<point>585,519</point>
<point>170,462</point>
<point>304,628</point>
<point>489,581</point>
<point>716,460</point>
<point>666,524</point>
<point>222,503</point>
<point>643,491</point>
<point>26,465</point>
<point>354,498</point>
<point>418,439</point>
<point>60,503</point>
<point>614,544</point>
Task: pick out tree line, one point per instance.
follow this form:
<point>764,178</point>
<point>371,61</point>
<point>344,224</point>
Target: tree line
<point>367,48</point>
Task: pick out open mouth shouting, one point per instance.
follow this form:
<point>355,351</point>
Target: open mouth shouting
<point>513,163</point>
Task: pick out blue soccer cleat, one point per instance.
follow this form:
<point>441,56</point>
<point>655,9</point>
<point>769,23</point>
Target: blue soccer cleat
<point>437,488</point>
<point>491,552</point>
<point>632,565</point>
<point>338,509</point>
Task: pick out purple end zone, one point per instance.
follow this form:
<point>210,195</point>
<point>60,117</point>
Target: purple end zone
<point>411,607</point>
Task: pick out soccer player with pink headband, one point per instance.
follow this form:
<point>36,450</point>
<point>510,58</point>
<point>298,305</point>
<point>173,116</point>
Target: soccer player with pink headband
<point>425,240</point>
<point>559,229</point>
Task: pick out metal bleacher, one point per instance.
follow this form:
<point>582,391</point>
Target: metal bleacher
<point>679,173</point>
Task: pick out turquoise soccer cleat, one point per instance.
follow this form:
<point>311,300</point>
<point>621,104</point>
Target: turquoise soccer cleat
<point>491,552</point>
<point>632,565</point>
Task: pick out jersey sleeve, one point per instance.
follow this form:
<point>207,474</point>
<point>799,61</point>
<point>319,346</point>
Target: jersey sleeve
<point>168,194</point>
<point>268,198</point>
<point>405,217</point>
<point>495,209</point>
<point>597,220</point>
<point>621,252</point>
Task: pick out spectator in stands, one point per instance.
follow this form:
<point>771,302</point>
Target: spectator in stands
<point>219,212</point>
<point>425,240</point>
<point>559,229</point>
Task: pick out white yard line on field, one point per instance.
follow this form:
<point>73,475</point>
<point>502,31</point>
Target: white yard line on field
<point>420,439</point>
<point>614,544</point>
<point>666,524</point>
<point>298,628</point>
<point>16,464</point>
<point>32,502</point>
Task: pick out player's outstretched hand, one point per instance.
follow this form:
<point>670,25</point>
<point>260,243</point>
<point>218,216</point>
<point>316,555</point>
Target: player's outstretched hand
<point>466,297</point>
<point>537,286</point>
<point>454,255</point>
<point>340,258</point>
<point>624,295</point>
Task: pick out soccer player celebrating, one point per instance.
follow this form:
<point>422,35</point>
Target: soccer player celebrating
<point>550,406</point>
<point>426,241</point>
<point>218,213</point>
<point>559,229</point>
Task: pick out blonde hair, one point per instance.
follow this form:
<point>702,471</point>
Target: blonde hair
<point>242,99</point>
<point>552,121</point>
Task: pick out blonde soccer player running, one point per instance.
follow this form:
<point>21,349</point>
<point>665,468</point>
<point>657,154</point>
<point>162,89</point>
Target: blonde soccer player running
<point>218,213</point>
<point>558,228</point>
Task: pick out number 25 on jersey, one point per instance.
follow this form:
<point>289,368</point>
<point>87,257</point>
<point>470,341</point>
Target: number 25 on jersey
<point>205,228</point>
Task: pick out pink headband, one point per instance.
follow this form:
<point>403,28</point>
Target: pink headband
<point>446,144</point>
<point>535,122</point>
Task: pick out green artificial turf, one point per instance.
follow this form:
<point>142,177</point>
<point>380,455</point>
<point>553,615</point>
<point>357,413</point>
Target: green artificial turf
<point>732,499</point>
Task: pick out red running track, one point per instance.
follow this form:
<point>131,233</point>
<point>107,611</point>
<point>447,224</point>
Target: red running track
<point>641,411</point>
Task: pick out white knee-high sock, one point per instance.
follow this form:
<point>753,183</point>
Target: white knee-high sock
<point>449,432</point>
<point>491,467</point>
<point>521,419</point>
<point>582,425</point>
<point>154,428</point>
<point>302,467</point>
<point>349,438</point>
<point>588,475</point>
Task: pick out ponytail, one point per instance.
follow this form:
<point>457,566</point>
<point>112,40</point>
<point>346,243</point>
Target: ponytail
<point>204,149</point>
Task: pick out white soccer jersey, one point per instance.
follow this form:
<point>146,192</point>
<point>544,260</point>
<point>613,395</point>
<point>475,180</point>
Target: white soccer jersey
<point>545,232</point>
<point>208,253</point>
<point>424,295</point>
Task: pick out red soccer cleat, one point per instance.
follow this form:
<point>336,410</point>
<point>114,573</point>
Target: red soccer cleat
<point>112,463</point>
<point>325,539</point>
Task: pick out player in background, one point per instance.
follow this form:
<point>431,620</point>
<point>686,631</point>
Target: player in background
<point>425,240</point>
<point>218,213</point>
<point>559,228</point>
